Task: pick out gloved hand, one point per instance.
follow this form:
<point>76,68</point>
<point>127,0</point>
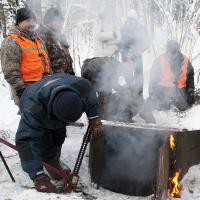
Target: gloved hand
<point>43,184</point>
<point>20,92</point>
<point>96,127</point>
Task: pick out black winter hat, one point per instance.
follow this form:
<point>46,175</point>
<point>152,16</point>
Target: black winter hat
<point>51,14</point>
<point>24,14</point>
<point>68,106</point>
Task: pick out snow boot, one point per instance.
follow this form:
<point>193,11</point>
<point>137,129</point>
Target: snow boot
<point>58,165</point>
<point>43,184</point>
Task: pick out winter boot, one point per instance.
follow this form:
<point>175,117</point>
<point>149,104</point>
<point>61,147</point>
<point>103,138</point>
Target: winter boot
<point>56,179</point>
<point>43,184</point>
<point>58,165</point>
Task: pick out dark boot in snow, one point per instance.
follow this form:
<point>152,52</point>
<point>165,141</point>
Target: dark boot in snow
<point>43,184</point>
<point>56,179</point>
<point>58,165</point>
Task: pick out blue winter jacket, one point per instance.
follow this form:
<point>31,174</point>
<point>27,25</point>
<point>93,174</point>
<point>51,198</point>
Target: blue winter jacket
<point>36,114</point>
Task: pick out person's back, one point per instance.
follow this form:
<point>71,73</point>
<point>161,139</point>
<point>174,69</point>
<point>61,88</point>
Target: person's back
<point>44,91</point>
<point>98,71</point>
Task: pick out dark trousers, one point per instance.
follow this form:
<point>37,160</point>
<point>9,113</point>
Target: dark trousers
<point>51,143</point>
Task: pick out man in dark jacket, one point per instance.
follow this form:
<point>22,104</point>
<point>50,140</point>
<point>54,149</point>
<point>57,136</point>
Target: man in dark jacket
<point>57,46</point>
<point>46,108</point>
<point>172,79</point>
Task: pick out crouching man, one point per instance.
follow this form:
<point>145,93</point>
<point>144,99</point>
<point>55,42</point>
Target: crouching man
<point>47,107</point>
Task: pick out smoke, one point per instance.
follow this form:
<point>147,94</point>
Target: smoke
<point>40,8</point>
<point>131,158</point>
<point>120,78</point>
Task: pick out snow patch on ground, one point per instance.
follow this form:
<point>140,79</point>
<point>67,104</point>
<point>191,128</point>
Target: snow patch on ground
<point>183,120</point>
<point>191,184</point>
<point>8,116</point>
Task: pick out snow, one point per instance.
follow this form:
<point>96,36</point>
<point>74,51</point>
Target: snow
<point>8,110</point>
<point>183,120</point>
<point>191,183</point>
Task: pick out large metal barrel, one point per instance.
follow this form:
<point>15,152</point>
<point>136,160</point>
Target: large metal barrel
<point>125,159</point>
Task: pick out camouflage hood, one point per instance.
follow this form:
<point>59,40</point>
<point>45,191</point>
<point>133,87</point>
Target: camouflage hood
<point>19,31</point>
<point>51,33</point>
<point>57,48</point>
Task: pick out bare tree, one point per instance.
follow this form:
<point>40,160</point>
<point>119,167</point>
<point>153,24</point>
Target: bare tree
<point>3,20</point>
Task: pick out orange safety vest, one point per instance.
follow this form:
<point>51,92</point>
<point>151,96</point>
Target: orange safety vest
<point>34,59</point>
<point>167,78</point>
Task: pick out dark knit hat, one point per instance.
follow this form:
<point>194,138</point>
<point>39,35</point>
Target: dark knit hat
<point>68,106</point>
<point>52,14</point>
<point>24,14</point>
<point>173,46</point>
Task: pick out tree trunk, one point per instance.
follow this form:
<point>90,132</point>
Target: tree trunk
<point>3,20</point>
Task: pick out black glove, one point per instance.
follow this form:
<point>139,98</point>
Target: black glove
<point>20,92</point>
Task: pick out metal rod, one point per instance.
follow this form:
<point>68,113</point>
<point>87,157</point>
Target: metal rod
<point>6,166</point>
<point>12,146</point>
<point>82,152</point>
<point>49,167</point>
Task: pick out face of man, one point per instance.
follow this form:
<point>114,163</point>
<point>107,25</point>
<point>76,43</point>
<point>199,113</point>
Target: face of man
<point>173,54</point>
<point>173,49</point>
<point>28,25</point>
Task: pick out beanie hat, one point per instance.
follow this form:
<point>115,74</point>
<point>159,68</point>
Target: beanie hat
<point>24,14</point>
<point>68,106</point>
<point>51,14</point>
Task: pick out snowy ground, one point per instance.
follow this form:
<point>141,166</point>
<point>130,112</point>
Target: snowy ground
<point>19,191</point>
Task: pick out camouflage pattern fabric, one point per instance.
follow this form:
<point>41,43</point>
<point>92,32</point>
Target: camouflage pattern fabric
<point>58,50</point>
